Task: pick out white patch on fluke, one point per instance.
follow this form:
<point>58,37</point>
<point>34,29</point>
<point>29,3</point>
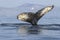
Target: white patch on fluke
<point>23,17</point>
<point>45,10</point>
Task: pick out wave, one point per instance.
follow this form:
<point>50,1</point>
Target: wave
<point>9,24</point>
<point>41,26</point>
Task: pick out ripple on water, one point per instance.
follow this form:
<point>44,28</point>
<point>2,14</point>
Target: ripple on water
<point>17,31</point>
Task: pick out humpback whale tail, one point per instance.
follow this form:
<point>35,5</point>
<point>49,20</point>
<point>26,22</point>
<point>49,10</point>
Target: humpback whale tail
<point>33,18</point>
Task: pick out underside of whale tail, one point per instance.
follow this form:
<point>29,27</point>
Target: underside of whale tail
<point>33,18</point>
<point>43,11</point>
<point>40,13</point>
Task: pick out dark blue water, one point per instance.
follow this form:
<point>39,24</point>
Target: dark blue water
<point>17,31</point>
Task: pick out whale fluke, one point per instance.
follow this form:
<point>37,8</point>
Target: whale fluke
<point>34,17</point>
<point>43,11</point>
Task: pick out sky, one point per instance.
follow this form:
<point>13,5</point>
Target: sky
<point>15,3</point>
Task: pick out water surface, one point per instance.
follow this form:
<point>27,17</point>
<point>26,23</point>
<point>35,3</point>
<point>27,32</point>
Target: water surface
<point>17,31</point>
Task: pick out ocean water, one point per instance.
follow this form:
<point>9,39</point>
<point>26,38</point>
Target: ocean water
<point>48,27</point>
<point>18,31</point>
